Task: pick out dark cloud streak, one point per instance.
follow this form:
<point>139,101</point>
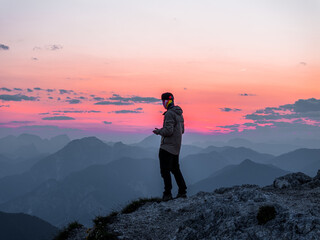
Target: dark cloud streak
<point>58,118</point>
<point>74,101</point>
<point>247,94</point>
<point>113,103</point>
<point>127,111</point>
<point>5,89</point>
<point>230,109</point>
<point>135,99</point>
<point>17,97</point>
<point>4,47</point>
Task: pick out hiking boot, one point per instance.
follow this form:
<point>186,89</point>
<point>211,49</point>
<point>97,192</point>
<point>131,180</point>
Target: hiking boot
<point>166,197</point>
<point>181,195</point>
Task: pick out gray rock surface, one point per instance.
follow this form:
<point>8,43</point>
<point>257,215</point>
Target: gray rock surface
<point>293,180</point>
<point>230,213</point>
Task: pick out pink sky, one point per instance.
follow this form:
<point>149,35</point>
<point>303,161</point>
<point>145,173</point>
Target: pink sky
<point>207,53</point>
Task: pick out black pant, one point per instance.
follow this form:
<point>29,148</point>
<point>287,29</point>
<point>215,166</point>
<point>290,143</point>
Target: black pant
<point>170,163</point>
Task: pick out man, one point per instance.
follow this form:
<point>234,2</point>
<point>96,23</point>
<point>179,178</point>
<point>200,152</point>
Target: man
<point>171,137</point>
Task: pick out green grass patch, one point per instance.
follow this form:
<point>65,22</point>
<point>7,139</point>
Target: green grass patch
<point>100,230</point>
<point>133,206</point>
<point>104,221</point>
<point>66,232</point>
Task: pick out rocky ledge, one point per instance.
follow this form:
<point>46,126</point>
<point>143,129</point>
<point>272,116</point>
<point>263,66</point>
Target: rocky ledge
<point>289,209</point>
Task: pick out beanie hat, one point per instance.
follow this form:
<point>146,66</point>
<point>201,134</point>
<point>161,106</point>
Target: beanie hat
<point>167,96</point>
<point>167,99</point>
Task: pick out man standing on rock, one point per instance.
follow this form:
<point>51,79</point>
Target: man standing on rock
<point>171,137</point>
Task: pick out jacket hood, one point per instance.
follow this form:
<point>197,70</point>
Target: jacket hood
<point>177,110</point>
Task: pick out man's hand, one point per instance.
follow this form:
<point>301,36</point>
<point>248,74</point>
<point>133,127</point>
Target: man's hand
<point>156,131</point>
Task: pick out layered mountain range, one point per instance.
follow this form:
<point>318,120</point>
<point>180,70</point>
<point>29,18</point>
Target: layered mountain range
<point>88,177</point>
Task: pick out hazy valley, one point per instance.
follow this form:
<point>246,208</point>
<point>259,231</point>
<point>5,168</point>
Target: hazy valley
<point>61,180</point>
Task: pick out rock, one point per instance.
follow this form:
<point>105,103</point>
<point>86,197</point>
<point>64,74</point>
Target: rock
<point>230,213</point>
<point>227,214</point>
<point>317,177</point>
<point>293,180</point>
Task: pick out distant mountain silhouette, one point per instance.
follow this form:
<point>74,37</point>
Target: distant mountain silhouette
<point>10,167</point>
<point>20,226</point>
<point>199,166</point>
<point>187,150</point>
<point>4,165</point>
<point>271,148</point>
<point>26,146</point>
<point>75,156</point>
<point>152,141</point>
<point>303,160</point>
<point>215,149</point>
<point>123,150</point>
<point>95,190</point>
<point>247,172</point>
<point>237,154</point>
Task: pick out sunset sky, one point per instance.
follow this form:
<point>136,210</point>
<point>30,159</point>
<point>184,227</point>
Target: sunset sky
<point>101,65</point>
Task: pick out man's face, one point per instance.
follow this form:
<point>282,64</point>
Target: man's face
<point>164,103</point>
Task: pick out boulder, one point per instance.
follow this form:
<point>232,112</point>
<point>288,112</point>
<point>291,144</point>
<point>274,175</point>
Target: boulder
<point>292,180</point>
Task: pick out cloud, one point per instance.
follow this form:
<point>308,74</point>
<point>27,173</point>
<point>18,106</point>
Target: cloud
<point>34,59</point>
<point>63,91</point>
<point>54,47</point>
<point>77,111</point>
<point>98,98</point>
<point>300,115</point>
<point>58,118</point>
<point>230,109</point>
<point>303,63</point>
<point>105,122</point>
<point>302,109</point>
<point>73,101</point>
<point>16,122</point>
<point>139,109</point>
<point>5,89</point>
<point>230,126</point>
<point>4,47</point>
<point>82,97</point>
<point>250,124</point>
<point>4,105</point>
<point>17,97</point>
<point>44,113</point>
<point>22,122</point>
<point>126,111</point>
<point>135,99</point>
<point>303,105</point>
<point>247,94</point>
<point>29,90</point>
<point>50,90</point>
<point>37,88</point>
<point>112,103</point>
<point>18,89</point>
<point>50,97</point>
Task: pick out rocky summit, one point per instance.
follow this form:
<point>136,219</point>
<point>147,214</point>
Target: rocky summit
<point>288,209</point>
